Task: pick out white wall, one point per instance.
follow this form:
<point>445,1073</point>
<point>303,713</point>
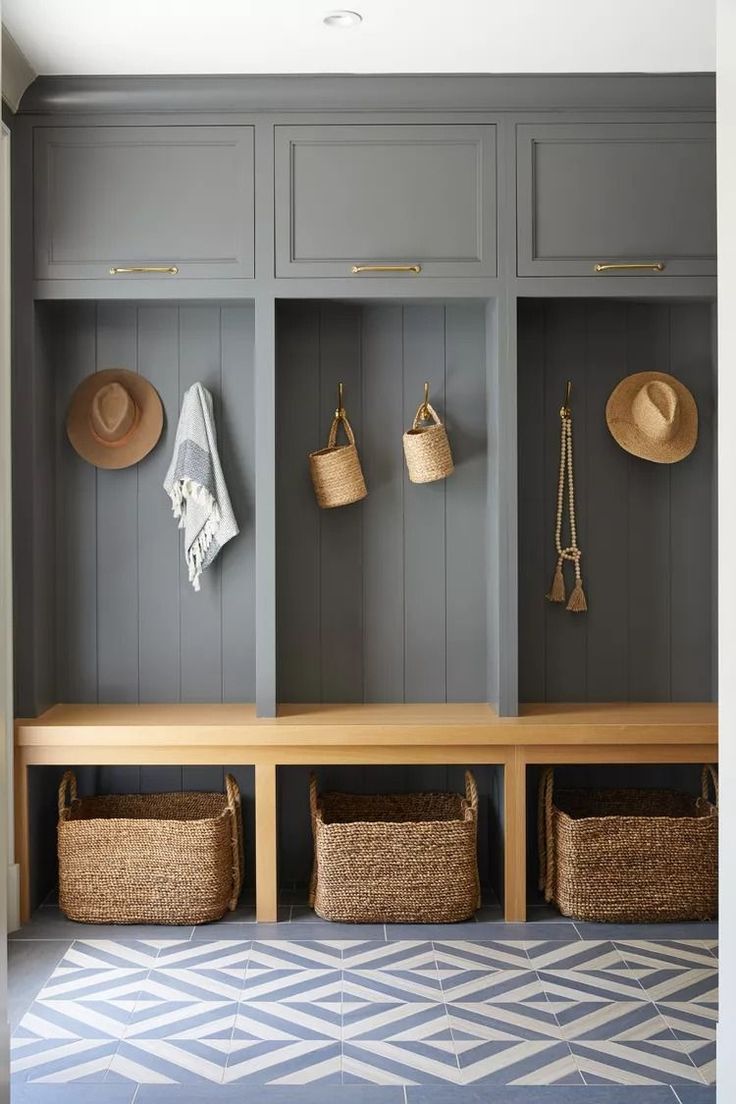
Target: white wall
<point>726,66</point>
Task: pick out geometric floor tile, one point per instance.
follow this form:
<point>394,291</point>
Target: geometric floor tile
<point>574,956</point>
<point>471,955</point>
<point>680,954</point>
<point>451,1015</point>
<point>51,1060</point>
<point>592,985</point>
<point>400,1063</point>
<point>170,1061</point>
<point>634,1063</point>
<point>480,986</point>
<point>523,1063</point>
<point>301,1062</point>
<point>302,986</point>
<point>496,1022</point>
<point>391,985</point>
<point>698,986</point>
<point>625,1021</point>
<point>281,1022</point>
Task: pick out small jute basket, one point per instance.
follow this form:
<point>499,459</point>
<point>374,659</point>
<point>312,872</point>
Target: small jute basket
<point>172,858</point>
<point>395,858</point>
<point>427,448</point>
<point>629,856</point>
<point>336,473</point>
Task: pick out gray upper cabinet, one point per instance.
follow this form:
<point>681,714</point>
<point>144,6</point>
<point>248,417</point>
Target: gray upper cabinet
<point>610,194</point>
<point>167,198</point>
<point>386,197</point>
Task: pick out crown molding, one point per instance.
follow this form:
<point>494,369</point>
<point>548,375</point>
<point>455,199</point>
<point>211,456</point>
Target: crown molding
<point>17,72</point>
<point>419,92</point>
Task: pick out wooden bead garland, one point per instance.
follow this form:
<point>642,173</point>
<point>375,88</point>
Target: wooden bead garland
<point>577,602</point>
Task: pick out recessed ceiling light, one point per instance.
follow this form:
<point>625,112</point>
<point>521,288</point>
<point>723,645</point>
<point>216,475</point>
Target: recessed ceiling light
<point>341,20</point>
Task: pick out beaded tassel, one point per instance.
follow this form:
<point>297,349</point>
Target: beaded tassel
<point>577,602</point>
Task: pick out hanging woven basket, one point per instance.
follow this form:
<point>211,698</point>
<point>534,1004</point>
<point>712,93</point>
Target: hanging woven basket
<point>427,448</point>
<point>336,473</point>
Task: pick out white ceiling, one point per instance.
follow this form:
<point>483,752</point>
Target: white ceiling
<point>396,36</point>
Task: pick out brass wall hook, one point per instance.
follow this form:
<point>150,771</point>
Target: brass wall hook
<point>565,412</point>
<point>425,405</point>
<point>340,412</point>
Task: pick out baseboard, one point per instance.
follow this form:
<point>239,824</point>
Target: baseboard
<point>13,897</point>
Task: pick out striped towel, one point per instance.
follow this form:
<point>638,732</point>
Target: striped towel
<point>196,486</point>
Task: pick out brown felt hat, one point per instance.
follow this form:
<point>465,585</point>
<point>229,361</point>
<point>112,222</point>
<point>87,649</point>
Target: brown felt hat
<point>115,418</point>
<point>654,416</point>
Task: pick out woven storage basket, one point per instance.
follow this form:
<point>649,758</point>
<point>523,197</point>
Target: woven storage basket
<point>427,449</point>
<point>336,473</point>
<point>629,855</point>
<point>173,858</point>
<point>393,858</point>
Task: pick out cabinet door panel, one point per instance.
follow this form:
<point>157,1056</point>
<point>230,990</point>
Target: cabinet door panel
<point>385,195</point>
<point>117,197</point>
<point>610,193</point>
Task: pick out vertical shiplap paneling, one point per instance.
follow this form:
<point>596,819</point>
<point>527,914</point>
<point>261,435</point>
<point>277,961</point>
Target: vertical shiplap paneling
<point>201,612</point>
<point>466,566</point>
<point>605,509</point>
<point>372,597</point>
<point>297,519</point>
<point>566,644</point>
<point>645,528</point>
<point>425,594</point>
<point>383,542</point>
<point>692,582</point>
<point>237,453</point>
<point>117,530</point>
<point>536,551</point>
<point>341,567</point>
<point>159,544</point>
<point>76,518</point>
<point>649,567</point>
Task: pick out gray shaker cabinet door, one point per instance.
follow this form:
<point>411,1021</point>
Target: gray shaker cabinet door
<point>130,197</point>
<point>386,196</point>
<point>613,193</point>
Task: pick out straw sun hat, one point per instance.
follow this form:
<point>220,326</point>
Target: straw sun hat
<point>115,418</point>
<point>654,416</point>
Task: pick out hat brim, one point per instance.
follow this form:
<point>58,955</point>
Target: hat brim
<point>145,434</point>
<point>627,434</point>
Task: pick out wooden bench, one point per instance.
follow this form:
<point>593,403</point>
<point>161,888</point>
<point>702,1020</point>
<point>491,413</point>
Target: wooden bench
<point>232,735</point>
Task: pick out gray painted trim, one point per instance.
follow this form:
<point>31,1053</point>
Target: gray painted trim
<point>376,92</point>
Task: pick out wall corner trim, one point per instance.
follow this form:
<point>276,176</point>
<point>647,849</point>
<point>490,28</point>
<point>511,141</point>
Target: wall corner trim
<point>17,72</point>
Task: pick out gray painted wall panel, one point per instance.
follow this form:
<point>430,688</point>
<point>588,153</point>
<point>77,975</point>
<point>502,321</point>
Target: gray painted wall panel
<point>369,595</point>
<point>129,627</point>
<point>649,579</point>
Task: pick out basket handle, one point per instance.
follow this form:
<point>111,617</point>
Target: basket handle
<point>232,791</point>
<point>709,775</point>
<point>336,421</point>
<point>471,796</point>
<point>544,829</point>
<point>68,782</point>
<point>425,411</point>
<point>313,801</point>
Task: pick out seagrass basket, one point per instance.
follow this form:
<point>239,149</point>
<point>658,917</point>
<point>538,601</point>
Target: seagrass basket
<point>629,856</point>
<point>337,476</point>
<point>392,858</point>
<point>171,858</point>
<point>427,448</point>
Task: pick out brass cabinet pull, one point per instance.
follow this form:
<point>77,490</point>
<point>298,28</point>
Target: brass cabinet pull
<point>386,268</point>
<point>649,266</point>
<point>166,270</point>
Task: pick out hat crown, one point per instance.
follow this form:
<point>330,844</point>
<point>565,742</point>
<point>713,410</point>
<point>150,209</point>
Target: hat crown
<point>656,410</point>
<point>112,413</point>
